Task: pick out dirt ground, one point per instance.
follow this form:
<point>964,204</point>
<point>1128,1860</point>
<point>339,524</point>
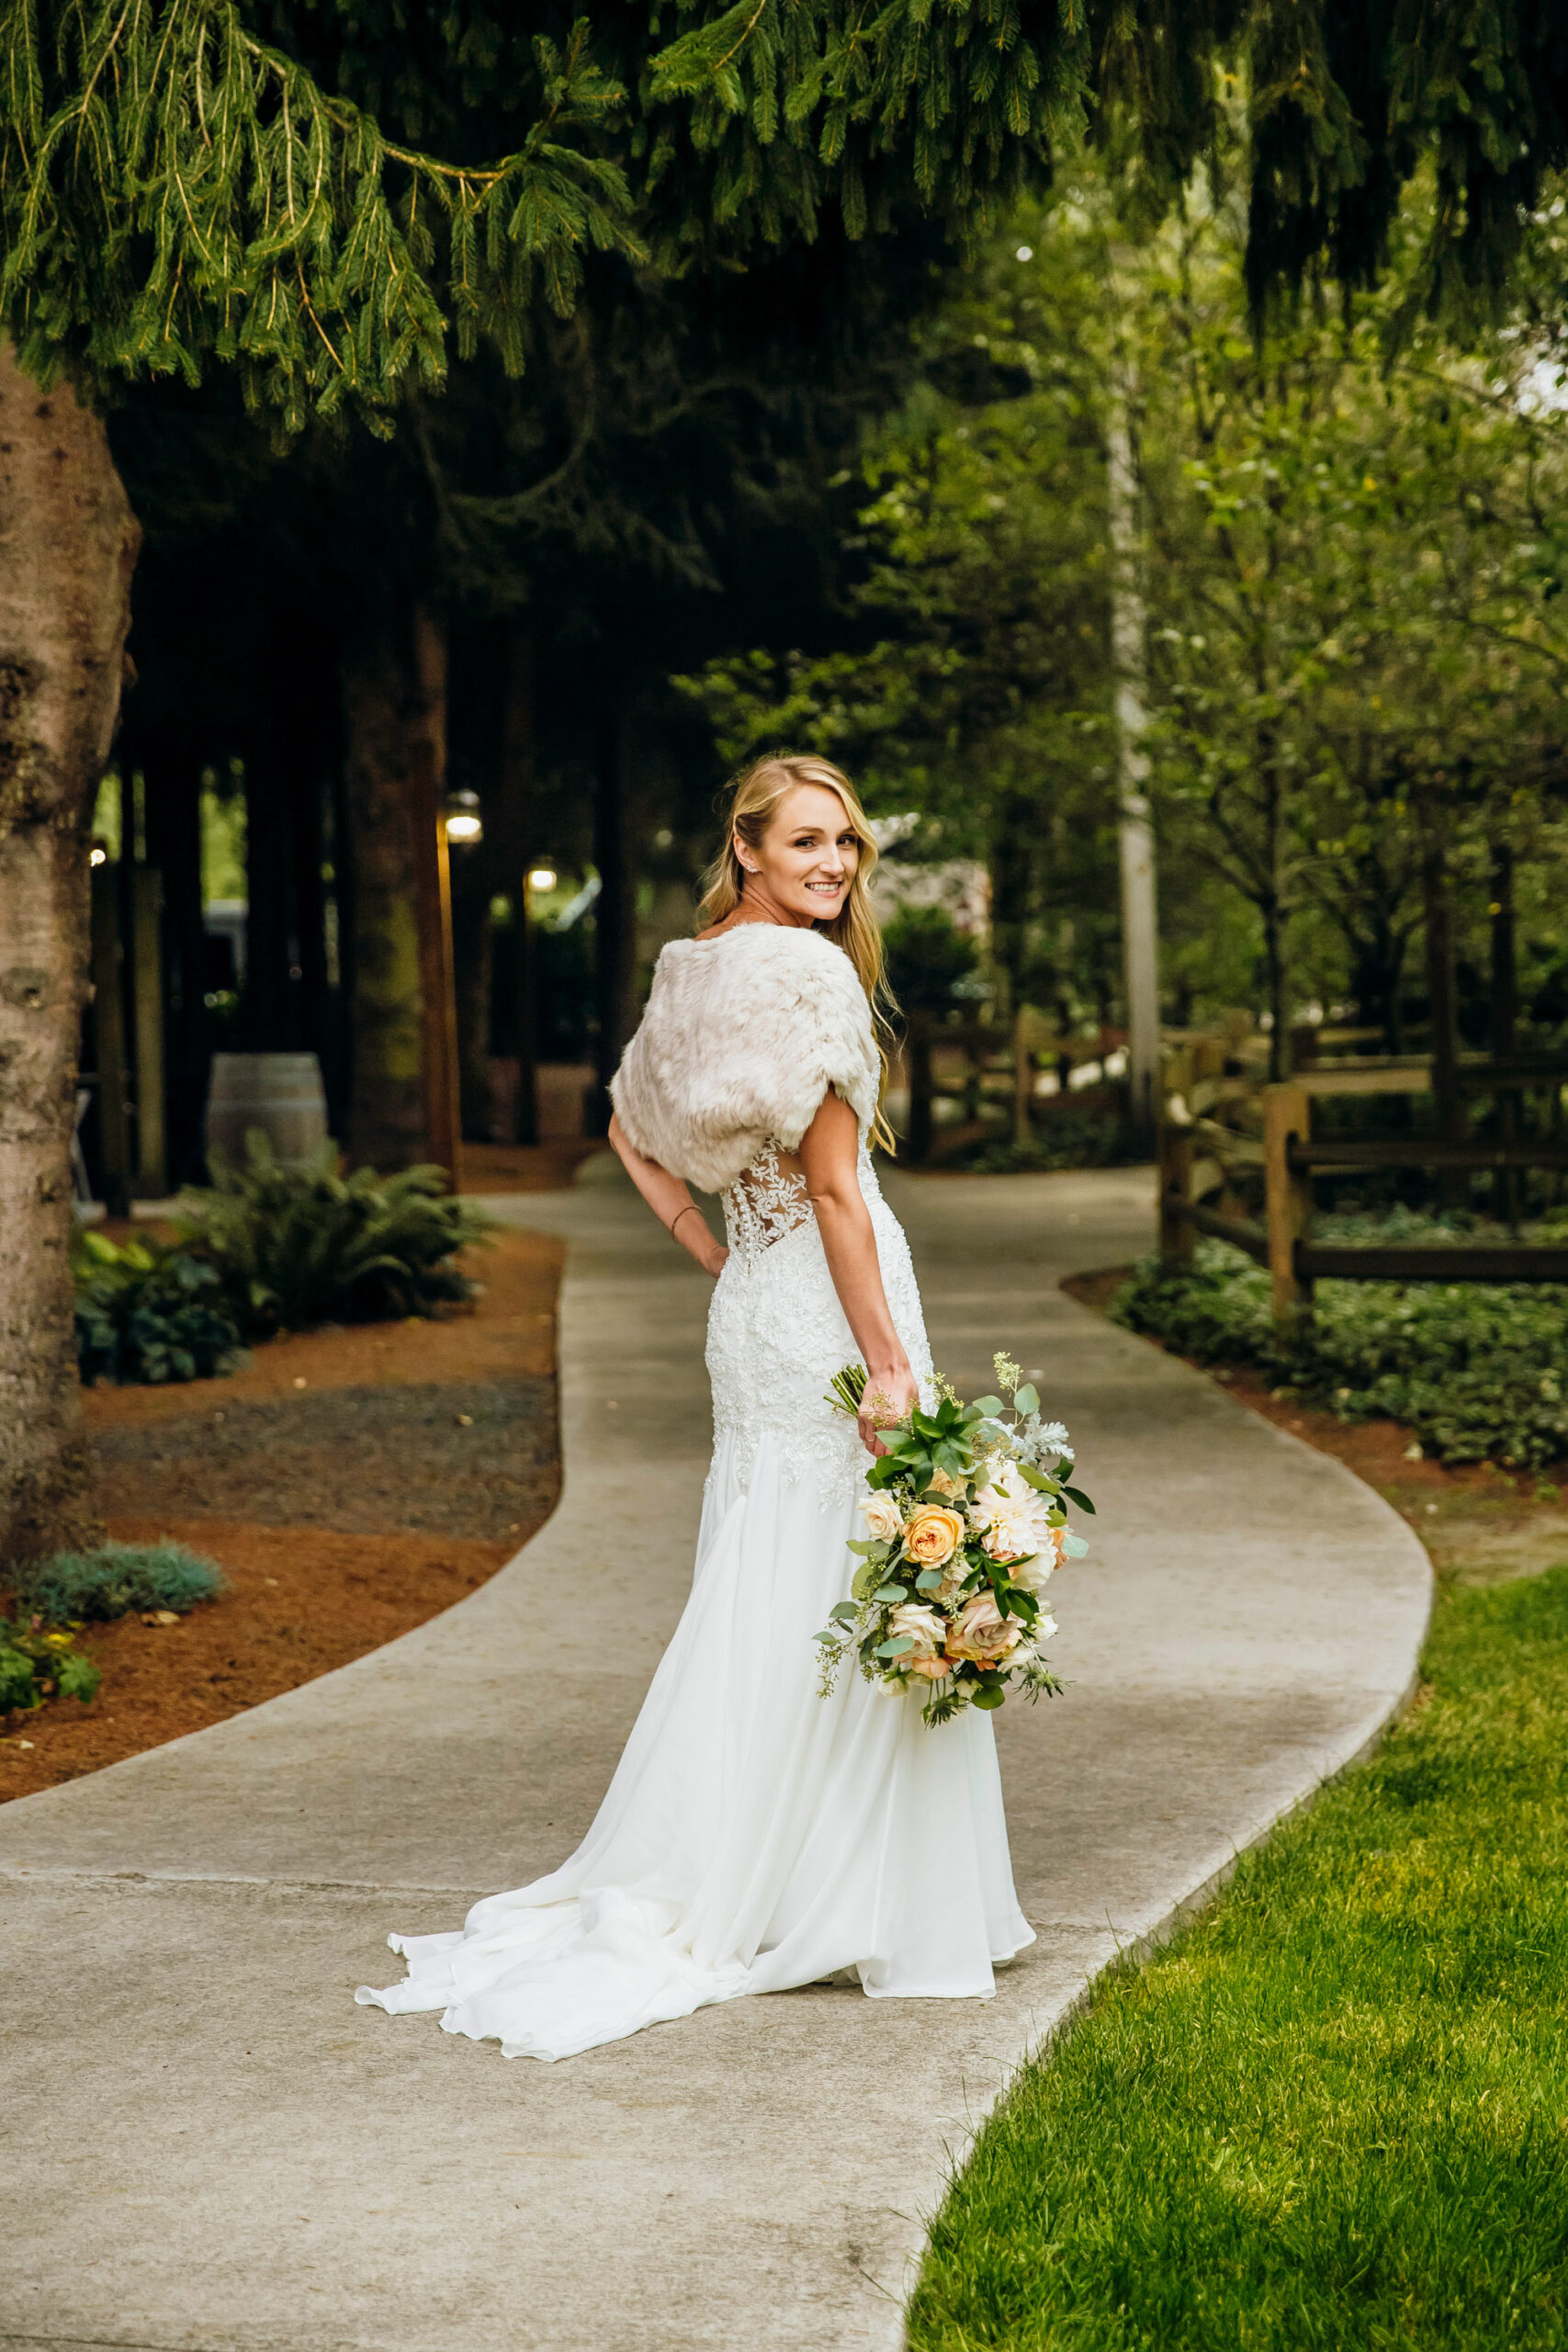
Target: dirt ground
<point>1480,1523</point>
<point>349,1482</point>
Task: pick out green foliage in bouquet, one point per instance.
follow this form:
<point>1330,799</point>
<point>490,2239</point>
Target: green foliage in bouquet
<point>115,1579</point>
<point>293,1246</point>
<point>37,1665</point>
<point>947,1593</point>
<point>1478,1370</point>
<point>147,1312</point>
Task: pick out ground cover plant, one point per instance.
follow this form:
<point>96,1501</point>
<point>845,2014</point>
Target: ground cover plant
<point>1478,1370</point>
<point>38,1664</point>
<point>1332,2112</point>
<point>293,1246</point>
<point>149,1312</point>
<point>115,1579</point>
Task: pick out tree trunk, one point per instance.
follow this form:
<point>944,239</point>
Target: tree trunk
<point>1279,1000</point>
<point>614,912</point>
<point>1443,1008</point>
<point>1505,1018</point>
<point>517,784</point>
<point>68,547</point>
<point>1140,909</point>
<point>386,1123</point>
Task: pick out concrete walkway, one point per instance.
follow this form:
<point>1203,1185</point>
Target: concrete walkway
<point>206,2147</point>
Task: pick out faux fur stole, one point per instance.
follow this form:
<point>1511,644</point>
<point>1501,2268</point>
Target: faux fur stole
<point>742,1037</point>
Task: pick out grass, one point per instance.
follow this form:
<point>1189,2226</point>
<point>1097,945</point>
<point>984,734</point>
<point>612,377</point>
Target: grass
<point>115,1579</point>
<point>1333,2112</point>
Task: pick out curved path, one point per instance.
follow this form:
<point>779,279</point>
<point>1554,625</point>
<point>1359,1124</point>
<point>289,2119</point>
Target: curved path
<point>207,2148</point>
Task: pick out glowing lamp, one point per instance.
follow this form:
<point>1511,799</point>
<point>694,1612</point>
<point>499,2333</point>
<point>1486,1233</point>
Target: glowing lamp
<point>464,822</point>
<point>542,877</point>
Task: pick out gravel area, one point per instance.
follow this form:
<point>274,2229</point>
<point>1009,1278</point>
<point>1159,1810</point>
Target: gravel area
<point>450,1458</point>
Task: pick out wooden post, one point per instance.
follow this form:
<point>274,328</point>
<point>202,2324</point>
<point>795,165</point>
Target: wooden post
<point>147,1025</point>
<point>1178,1234</point>
<point>519,818</point>
<point>1287,1112</point>
<point>1022,1080</point>
<point>108,1032</point>
<point>433,896</point>
<point>919,1058</point>
<point>1510,1190</point>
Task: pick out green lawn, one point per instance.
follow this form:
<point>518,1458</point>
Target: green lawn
<point>1334,2111</point>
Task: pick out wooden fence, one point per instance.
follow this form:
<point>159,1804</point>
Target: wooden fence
<point>1199,1154</point>
<point>999,1062</point>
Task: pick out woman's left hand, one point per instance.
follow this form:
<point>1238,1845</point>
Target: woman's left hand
<point>888,1398</point>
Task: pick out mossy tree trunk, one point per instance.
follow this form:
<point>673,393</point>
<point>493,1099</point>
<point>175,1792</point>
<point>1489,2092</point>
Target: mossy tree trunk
<point>68,547</point>
<point>383,709</point>
<point>394,702</point>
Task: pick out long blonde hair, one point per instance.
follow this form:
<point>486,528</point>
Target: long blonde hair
<point>755,795</point>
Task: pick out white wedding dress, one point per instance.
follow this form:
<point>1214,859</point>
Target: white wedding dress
<point>756,1836</point>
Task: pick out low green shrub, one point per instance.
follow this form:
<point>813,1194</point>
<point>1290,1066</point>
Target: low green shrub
<point>37,1665</point>
<point>115,1579</point>
<point>1478,1370</point>
<point>1071,1137</point>
<point>294,1247</point>
<point>149,1312</point>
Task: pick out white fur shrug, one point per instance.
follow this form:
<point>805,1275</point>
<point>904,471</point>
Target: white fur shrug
<point>743,1036</point>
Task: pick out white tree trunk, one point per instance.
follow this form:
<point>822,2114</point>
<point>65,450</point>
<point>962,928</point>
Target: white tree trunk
<point>1140,918</point>
<point>68,547</point>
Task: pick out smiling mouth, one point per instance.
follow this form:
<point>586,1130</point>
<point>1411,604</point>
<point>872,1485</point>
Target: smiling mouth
<point>827,889</point>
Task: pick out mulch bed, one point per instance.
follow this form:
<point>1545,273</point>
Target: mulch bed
<point>349,1482</point>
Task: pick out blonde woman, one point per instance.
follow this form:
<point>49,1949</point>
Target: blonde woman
<point>756,1836</point>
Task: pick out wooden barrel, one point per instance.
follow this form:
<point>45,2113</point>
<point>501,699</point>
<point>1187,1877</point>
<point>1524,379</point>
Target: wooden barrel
<point>280,1093</point>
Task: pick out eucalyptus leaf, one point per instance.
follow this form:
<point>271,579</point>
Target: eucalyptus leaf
<point>985,1408</point>
<point>869,1547</point>
<point>890,1592</point>
<point>1074,1545</point>
<point>1027,1399</point>
<point>930,1579</point>
<point>846,1612</point>
<point>898,1646</point>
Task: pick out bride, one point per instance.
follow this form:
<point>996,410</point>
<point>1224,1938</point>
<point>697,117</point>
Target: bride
<point>756,1836</point>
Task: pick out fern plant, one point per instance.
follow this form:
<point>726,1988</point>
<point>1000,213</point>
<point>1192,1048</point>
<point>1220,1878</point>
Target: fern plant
<point>292,1247</point>
<point>149,1313</point>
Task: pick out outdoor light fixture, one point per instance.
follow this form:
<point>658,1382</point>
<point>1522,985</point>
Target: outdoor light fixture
<point>98,855</point>
<point>461,811</point>
<point>542,877</point>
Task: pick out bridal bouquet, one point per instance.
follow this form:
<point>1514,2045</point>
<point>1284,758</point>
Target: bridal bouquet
<point>965,1524</point>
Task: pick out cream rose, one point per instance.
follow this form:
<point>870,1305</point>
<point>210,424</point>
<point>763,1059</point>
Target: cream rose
<point>981,1634</point>
<point>933,1534</point>
<point>884,1521</point>
<point>927,1630</point>
<point>944,1483</point>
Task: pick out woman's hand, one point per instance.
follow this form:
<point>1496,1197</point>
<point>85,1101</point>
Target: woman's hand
<point>888,1396</point>
<point>714,1257</point>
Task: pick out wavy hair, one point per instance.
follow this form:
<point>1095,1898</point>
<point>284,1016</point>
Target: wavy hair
<point>754,798</point>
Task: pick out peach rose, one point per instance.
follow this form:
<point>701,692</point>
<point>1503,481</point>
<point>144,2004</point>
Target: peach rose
<point>933,1534</point>
<point>926,1630</point>
<point>944,1483</point>
<point>884,1521</point>
<point>981,1634</point>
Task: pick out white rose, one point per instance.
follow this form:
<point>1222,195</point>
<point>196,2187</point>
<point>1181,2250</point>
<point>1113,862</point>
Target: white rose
<point>884,1522</point>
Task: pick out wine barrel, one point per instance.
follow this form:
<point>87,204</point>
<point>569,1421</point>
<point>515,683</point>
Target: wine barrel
<point>280,1093</point>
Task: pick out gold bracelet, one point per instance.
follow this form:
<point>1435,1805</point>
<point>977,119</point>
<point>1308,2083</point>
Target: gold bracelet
<point>691,1209</point>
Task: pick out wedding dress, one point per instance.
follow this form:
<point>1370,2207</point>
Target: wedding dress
<point>755,1835</point>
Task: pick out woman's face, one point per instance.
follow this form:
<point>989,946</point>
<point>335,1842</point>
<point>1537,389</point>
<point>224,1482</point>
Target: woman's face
<point>807,859</point>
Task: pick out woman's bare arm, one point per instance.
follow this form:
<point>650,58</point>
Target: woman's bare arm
<point>829,1155</point>
<point>671,1202</point>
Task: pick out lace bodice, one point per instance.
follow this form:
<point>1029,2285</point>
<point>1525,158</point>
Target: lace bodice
<point>777,1333</point>
<point>764,1204</point>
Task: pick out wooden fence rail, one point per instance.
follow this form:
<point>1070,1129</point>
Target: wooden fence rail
<point>1198,1153</point>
